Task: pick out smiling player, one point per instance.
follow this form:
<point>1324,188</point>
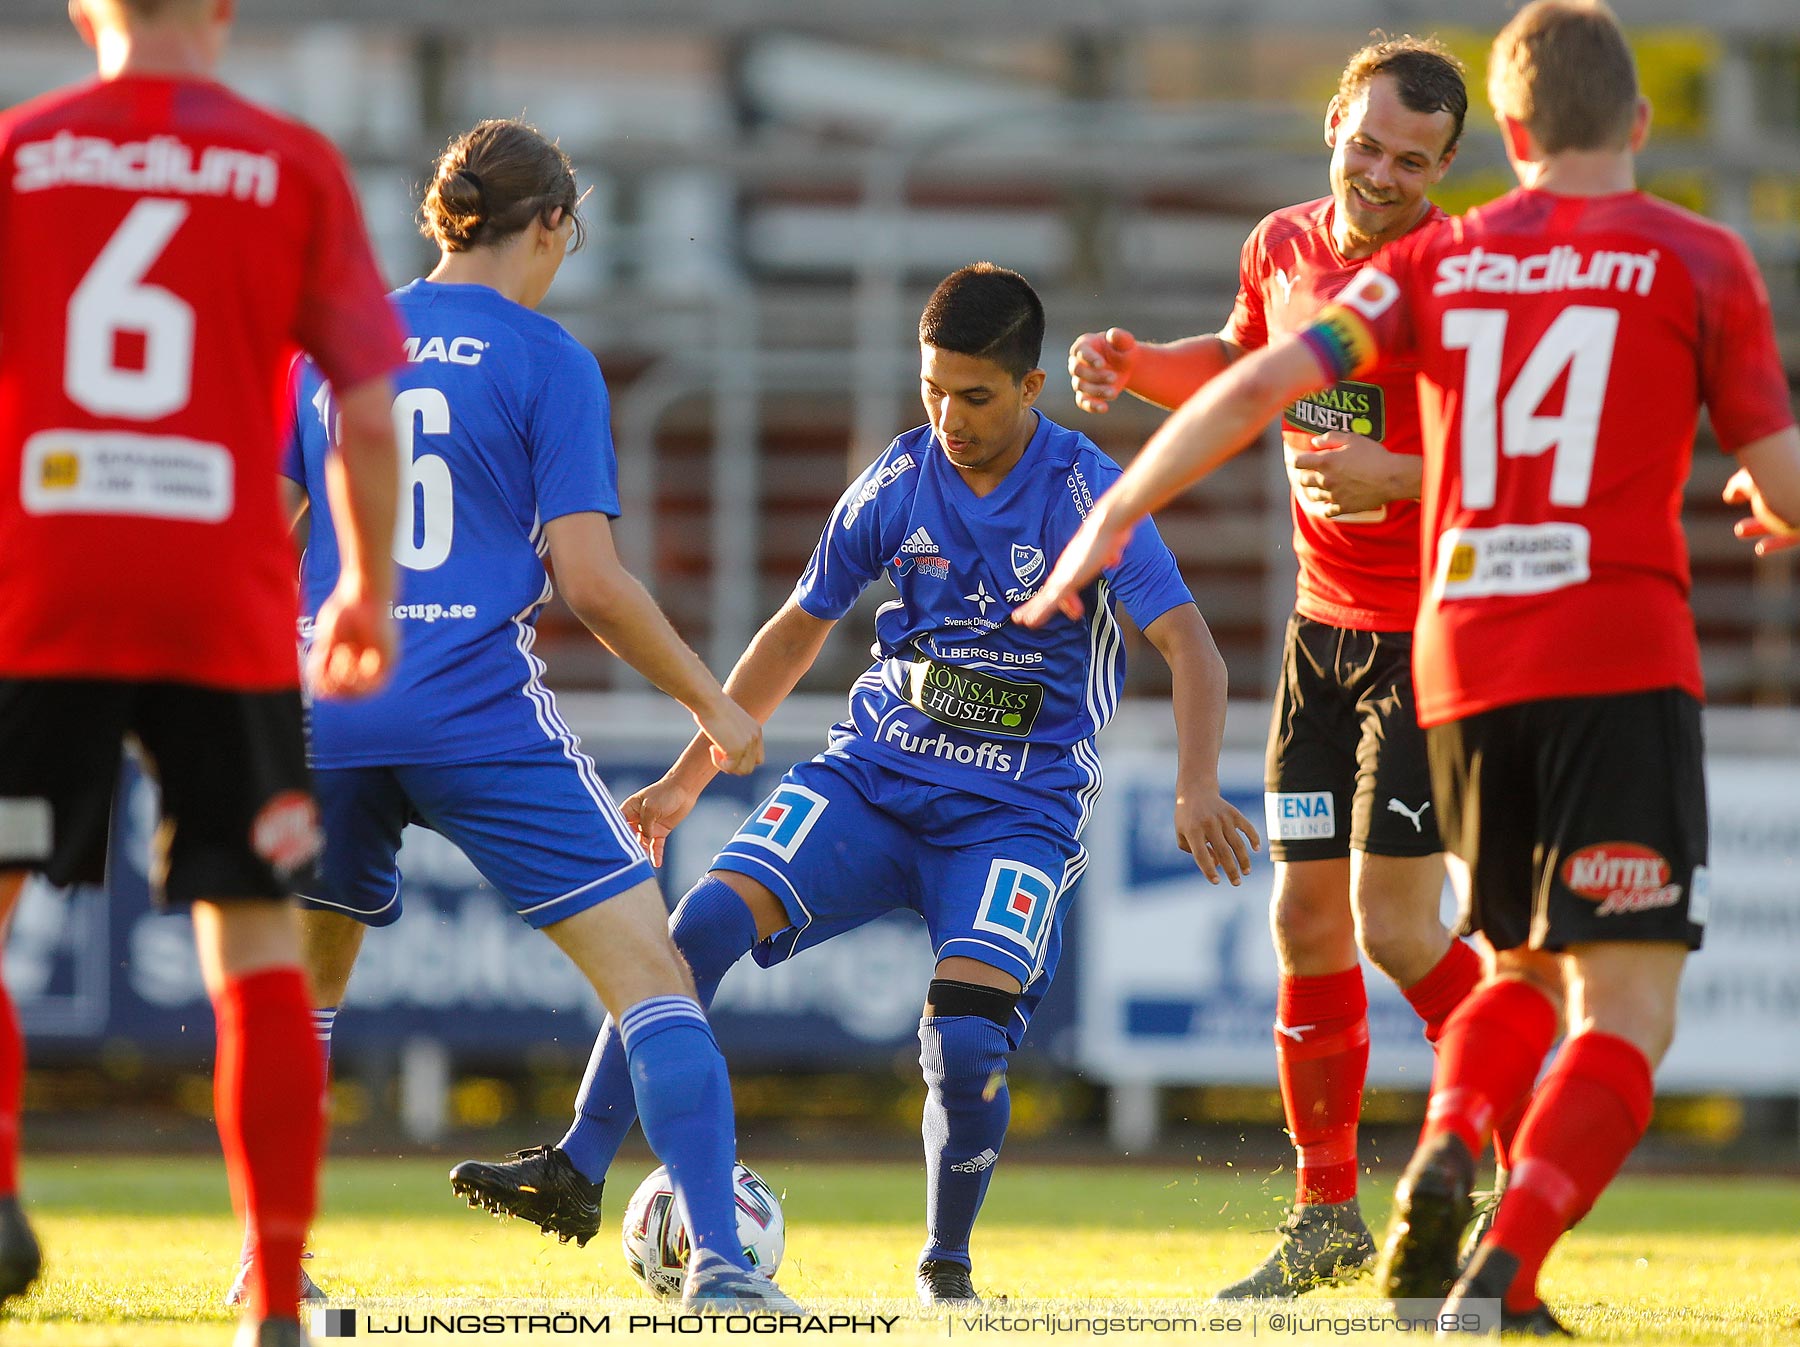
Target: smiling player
<point>1350,821</point>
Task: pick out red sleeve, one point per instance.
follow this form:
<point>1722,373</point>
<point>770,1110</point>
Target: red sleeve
<point>1248,327</point>
<point>1742,380</point>
<point>344,321</point>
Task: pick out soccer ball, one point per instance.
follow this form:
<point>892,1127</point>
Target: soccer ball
<point>656,1242</point>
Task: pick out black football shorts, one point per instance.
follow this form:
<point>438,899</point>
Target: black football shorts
<point>238,819</point>
<point>1346,761</point>
<point>1581,819</point>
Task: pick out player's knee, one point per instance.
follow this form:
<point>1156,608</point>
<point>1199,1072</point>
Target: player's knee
<point>1534,967</point>
<point>1402,949</point>
<point>963,1045</point>
<point>1308,923</point>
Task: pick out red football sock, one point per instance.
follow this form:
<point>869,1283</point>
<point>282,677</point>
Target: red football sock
<point>1506,1133</point>
<point>1583,1121</point>
<point>1487,1059</point>
<point>1322,1056</point>
<point>268,1087</point>
<point>1445,987</point>
<point>12,1087</point>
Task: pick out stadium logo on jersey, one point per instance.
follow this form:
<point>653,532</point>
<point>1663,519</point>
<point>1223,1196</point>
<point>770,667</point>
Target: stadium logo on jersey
<point>1017,902</point>
<point>1621,877</point>
<point>884,476</point>
<point>1562,268</point>
<point>1028,564</point>
<point>1347,406</point>
<point>456,351</point>
<point>1371,293</point>
<point>784,820</point>
<point>160,164</point>
<point>1299,815</point>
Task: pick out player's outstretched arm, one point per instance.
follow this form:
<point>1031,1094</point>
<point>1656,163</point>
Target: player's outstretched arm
<point>764,675</point>
<point>1347,474</point>
<point>1103,365</point>
<point>1768,483</point>
<point>620,612</point>
<point>1207,826</point>
<point>1211,427</point>
<point>353,633</point>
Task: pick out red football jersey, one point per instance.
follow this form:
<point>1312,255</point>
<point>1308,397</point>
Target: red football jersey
<point>1566,345</point>
<point>1360,570</point>
<point>164,247</point>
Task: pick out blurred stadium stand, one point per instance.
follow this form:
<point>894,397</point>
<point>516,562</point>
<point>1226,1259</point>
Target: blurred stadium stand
<point>778,184</point>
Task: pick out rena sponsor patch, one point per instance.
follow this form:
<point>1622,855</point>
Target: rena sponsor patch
<point>783,821</point>
<point>1017,902</point>
<point>286,832</point>
<point>1295,816</point>
<point>1621,877</point>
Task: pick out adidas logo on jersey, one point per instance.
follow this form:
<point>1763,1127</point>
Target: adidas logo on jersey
<point>919,544</point>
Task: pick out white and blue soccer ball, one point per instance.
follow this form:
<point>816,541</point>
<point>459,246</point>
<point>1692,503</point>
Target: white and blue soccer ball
<point>656,1241</point>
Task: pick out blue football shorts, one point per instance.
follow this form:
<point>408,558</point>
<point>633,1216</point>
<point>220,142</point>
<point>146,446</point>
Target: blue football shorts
<point>840,842</point>
<point>537,824</point>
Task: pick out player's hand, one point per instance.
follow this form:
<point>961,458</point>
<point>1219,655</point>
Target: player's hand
<point>1761,524</point>
<point>653,812</point>
<point>1100,365</point>
<point>737,740</point>
<point>1348,474</point>
<point>353,644</point>
<point>1211,830</point>
<point>1099,544</point>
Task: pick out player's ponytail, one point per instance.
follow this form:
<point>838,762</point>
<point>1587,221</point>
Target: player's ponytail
<point>492,181</point>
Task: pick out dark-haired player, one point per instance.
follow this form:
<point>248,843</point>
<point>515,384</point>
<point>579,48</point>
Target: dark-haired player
<point>1349,813</point>
<point>959,783</point>
<point>164,245</point>
<point>1567,336</point>
<point>505,432</point>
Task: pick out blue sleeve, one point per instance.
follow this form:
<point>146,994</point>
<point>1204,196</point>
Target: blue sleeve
<point>573,466</point>
<point>293,461</point>
<point>1146,579</point>
<point>849,554</point>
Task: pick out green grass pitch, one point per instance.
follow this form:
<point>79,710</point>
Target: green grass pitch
<point>139,1251</point>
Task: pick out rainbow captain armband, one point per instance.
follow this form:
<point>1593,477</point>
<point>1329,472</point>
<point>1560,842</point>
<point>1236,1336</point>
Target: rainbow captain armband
<point>1341,336</point>
<point>1341,341</point>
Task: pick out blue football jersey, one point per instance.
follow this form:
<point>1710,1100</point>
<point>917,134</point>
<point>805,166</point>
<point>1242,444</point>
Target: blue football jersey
<point>503,424</point>
<point>958,694</point>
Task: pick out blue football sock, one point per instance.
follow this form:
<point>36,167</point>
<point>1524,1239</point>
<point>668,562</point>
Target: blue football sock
<point>713,930</point>
<point>966,1111</point>
<point>684,1101</point>
<point>324,1020</point>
